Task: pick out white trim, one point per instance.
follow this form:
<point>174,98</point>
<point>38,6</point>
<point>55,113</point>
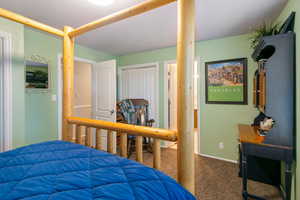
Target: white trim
<point>7,80</point>
<point>218,158</point>
<point>166,117</point>
<point>60,89</point>
<point>156,65</point>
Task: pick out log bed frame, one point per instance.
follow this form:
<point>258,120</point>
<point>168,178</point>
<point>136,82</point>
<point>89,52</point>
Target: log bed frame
<point>185,61</point>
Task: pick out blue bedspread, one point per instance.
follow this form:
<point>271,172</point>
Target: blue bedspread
<point>63,170</point>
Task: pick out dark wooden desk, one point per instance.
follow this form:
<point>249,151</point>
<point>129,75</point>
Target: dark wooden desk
<point>252,144</point>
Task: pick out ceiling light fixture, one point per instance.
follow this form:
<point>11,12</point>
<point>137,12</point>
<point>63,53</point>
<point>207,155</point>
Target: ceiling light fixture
<point>102,2</point>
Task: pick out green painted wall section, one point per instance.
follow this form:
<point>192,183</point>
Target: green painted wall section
<point>16,31</point>
<point>41,112</point>
<point>218,123</point>
<point>294,5</point>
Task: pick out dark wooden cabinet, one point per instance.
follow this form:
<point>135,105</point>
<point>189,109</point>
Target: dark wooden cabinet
<point>274,95</point>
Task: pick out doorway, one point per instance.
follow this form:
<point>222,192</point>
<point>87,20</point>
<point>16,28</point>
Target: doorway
<point>82,89</point>
<point>171,100</point>
<point>95,94</point>
<point>94,91</point>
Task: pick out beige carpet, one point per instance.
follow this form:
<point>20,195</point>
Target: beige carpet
<point>215,179</point>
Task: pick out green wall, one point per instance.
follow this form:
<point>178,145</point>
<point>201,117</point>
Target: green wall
<point>294,5</point>
<point>16,31</point>
<point>41,112</point>
<point>218,123</point>
<point>35,116</point>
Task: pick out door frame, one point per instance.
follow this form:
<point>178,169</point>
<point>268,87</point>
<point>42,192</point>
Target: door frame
<point>60,88</point>
<point>166,63</point>
<point>7,90</point>
<point>119,82</point>
<point>166,92</point>
<point>166,117</point>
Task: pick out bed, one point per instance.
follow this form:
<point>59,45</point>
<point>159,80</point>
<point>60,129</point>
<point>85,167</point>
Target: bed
<point>36,172</point>
<point>63,170</point>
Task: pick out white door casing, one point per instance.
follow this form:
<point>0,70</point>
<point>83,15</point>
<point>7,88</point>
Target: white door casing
<point>5,92</point>
<point>105,94</point>
<point>172,99</point>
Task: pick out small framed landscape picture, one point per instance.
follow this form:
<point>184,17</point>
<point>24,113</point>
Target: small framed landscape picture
<point>226,81</point>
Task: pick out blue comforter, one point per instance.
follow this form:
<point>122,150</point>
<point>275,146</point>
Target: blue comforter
<point>63,170</point>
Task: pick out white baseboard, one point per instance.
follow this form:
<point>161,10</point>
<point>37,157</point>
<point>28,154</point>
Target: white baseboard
<point>218,158</point>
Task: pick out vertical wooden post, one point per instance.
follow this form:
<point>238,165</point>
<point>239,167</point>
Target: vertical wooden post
<point>139,148</point>
<point>88,137</point>
<point>98,139</point>
<point>156,154</point>
<point>68,82</point>
<point>78,134</point>
<point>72,133</point>
<point>123,145</point>
<point>185,93</point>
<point>110,141</point>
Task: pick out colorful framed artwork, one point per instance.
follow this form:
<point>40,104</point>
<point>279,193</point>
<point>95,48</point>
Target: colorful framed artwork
<point>226,82</point>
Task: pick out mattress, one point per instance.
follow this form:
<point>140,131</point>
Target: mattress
<point>62,170</point>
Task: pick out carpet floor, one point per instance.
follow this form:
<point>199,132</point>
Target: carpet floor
<point>215,179</point>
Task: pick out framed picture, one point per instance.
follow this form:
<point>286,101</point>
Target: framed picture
<point>226,82</point>
<point>37,73</point>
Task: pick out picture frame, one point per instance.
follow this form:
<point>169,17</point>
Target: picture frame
<point>226,81</point>
<point>37,74</point>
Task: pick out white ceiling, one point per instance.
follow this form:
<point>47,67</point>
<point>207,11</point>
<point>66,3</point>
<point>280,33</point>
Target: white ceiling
<point>152,30</point>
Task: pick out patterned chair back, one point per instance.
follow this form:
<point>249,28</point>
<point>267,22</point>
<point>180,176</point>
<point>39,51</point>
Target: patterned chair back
<point>135,111</point>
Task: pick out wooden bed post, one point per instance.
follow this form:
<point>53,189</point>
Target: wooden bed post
<point>68,82</point>
<point>185,97</point>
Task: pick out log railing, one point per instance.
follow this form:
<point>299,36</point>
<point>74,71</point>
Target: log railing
<point>88,132</point>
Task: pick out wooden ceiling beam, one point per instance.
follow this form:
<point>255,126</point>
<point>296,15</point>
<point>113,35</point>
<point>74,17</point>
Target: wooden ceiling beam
<point>118,16</point>
<point>29,22</point>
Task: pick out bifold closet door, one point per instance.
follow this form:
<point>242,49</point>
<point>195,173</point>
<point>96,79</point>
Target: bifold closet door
<point>141,83</point>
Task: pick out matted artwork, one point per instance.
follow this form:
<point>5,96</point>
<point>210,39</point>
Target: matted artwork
<point>226,81</point>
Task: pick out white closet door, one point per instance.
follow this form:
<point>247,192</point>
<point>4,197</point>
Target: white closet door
<point>141,83</point>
